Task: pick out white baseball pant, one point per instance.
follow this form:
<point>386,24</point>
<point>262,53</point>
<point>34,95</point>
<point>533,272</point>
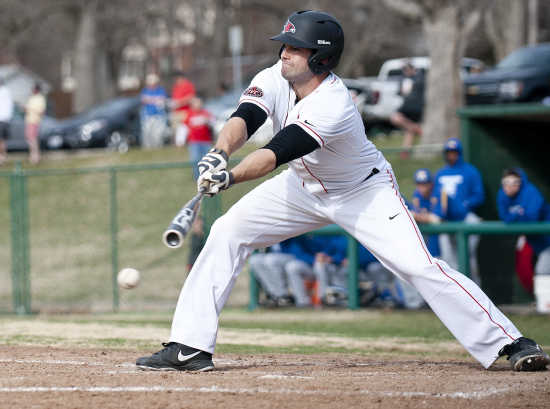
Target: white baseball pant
<point>374,213</point>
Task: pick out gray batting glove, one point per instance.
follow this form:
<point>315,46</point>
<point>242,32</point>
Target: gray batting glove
<point>214,182</point>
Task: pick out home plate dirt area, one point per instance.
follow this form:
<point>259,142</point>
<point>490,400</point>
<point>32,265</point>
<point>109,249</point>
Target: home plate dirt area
<point>47,377</point>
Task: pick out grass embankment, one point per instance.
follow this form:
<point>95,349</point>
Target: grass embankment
<point>70,229</point>
<point>282,331</point>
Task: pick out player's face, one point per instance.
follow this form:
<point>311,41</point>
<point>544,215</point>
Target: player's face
<point>451,157</point>
<point>295,67</point>
<point>425,189</point>
<point>511,185</point>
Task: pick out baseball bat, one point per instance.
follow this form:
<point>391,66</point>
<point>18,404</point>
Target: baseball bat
<point>181,224</point>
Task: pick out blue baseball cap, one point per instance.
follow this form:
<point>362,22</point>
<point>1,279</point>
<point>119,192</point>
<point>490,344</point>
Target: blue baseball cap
<point>453,144</point>
<point>422,175</point>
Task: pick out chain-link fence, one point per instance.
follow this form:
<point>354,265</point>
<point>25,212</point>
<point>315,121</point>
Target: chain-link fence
<point>68,232</point>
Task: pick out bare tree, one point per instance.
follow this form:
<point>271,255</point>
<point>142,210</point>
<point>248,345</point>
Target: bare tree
<point>533,21</point>
<point>447,25</point>
<point>505,23</point>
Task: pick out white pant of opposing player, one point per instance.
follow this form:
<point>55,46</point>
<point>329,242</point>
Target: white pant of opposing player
<point>376,216</point>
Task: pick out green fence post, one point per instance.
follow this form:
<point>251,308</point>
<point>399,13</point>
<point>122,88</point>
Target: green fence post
<point>463,253</point>
<point>353,275</point>
<point>15,213</point>
<point>113,208</point>
<point>253,291</point>
<point>19,242</point>
<point>25,246</point>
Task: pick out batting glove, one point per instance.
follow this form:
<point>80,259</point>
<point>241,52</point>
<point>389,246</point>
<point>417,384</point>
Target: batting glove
<point>213,182</point>
<point>214,160</point>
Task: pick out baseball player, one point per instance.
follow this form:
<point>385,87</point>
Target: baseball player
<point>335,175</point>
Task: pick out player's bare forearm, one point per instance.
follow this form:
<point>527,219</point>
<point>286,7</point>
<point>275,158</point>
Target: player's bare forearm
<point>232,136</point>
<point>255,165</point>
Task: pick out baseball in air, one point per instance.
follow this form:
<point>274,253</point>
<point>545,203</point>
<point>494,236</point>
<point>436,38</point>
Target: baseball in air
<point>128,278</point>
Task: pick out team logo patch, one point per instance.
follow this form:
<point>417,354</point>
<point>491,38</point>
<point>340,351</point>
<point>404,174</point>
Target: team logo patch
<point>289,27</point>
<point>254,92</point>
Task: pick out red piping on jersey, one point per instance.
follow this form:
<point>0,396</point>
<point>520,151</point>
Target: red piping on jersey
<point>315,177</point>
<point>253,101</point>
<point>301,123</point>
<point>476,301</point>
<point>440,268</point>
<point>409,215</point>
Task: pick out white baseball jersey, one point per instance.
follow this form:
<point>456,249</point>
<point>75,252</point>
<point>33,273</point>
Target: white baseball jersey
<point>346,157</point>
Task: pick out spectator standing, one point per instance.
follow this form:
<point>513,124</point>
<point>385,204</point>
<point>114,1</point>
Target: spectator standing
<point>424,207</point>
<point>183,91</point>
<point>153,112</point>
<point>519,200</point>
<point>6,112</point>
<point>199,132</point>
<point>409,115</point>
<point>34,111</point>
<point>459,187</point>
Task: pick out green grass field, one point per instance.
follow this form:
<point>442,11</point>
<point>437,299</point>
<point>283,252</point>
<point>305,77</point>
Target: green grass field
<point>298,331</point>
<point>70,230</point>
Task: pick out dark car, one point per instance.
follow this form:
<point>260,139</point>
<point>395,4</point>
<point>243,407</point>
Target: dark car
<point>46,135</point>
<point>523,76</point>
<point>113,124</point>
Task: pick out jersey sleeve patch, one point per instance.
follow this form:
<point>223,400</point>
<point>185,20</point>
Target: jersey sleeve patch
<point>254,92</point>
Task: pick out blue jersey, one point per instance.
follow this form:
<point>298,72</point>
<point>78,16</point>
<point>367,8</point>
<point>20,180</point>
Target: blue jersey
<point>528,205</point>
<point>421,204</point>
<point>150,109</point>
<point>459,188</point>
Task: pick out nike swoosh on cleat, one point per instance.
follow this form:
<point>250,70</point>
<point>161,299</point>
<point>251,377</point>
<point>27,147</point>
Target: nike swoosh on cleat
<point>394,216</point>
<point>183,358</point>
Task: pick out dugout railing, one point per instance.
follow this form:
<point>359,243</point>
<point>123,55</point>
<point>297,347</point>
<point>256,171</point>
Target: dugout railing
<point>461,230</point>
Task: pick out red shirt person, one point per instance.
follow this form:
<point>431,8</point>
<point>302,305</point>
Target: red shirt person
<point>199,132</point>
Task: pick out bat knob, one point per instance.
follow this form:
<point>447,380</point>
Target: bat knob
<point>172,238</point>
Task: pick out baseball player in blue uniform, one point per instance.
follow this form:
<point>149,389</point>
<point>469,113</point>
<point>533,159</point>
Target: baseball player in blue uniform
<point>425,206</point>
<point>459,188</point>
<point>519,200</point>
<point>335,175</point>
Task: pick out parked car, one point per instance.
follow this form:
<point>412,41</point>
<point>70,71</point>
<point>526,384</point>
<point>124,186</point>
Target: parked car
<point>362,94</point>
<point>522,76</point>
<point>386,85</point>
<point>17,142</point>
<point>113,124</point>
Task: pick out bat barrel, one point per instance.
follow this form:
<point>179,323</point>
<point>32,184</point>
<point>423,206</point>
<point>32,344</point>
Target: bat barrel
<point>173,237</point>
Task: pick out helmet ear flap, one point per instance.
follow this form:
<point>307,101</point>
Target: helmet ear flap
<point>315,63</point>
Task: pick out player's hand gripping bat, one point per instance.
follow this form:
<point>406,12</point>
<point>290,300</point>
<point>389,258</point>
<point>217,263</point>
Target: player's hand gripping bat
<point>175,233</point>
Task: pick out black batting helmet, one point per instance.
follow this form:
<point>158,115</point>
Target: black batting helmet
<point>317,31</point>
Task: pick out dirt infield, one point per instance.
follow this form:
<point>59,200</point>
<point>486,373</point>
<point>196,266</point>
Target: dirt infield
<point>48,377</point>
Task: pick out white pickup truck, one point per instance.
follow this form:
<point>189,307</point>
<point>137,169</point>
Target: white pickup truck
<point>384,89</point>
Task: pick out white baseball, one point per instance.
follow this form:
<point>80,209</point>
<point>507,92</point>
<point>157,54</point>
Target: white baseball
<point>128,278</point>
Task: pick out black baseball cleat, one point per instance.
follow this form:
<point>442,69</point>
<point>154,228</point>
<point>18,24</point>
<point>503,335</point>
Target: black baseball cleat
<point>177,357</point>
<point>525,354</point>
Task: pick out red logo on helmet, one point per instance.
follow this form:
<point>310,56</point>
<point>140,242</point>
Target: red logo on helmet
<point>289,27</point>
